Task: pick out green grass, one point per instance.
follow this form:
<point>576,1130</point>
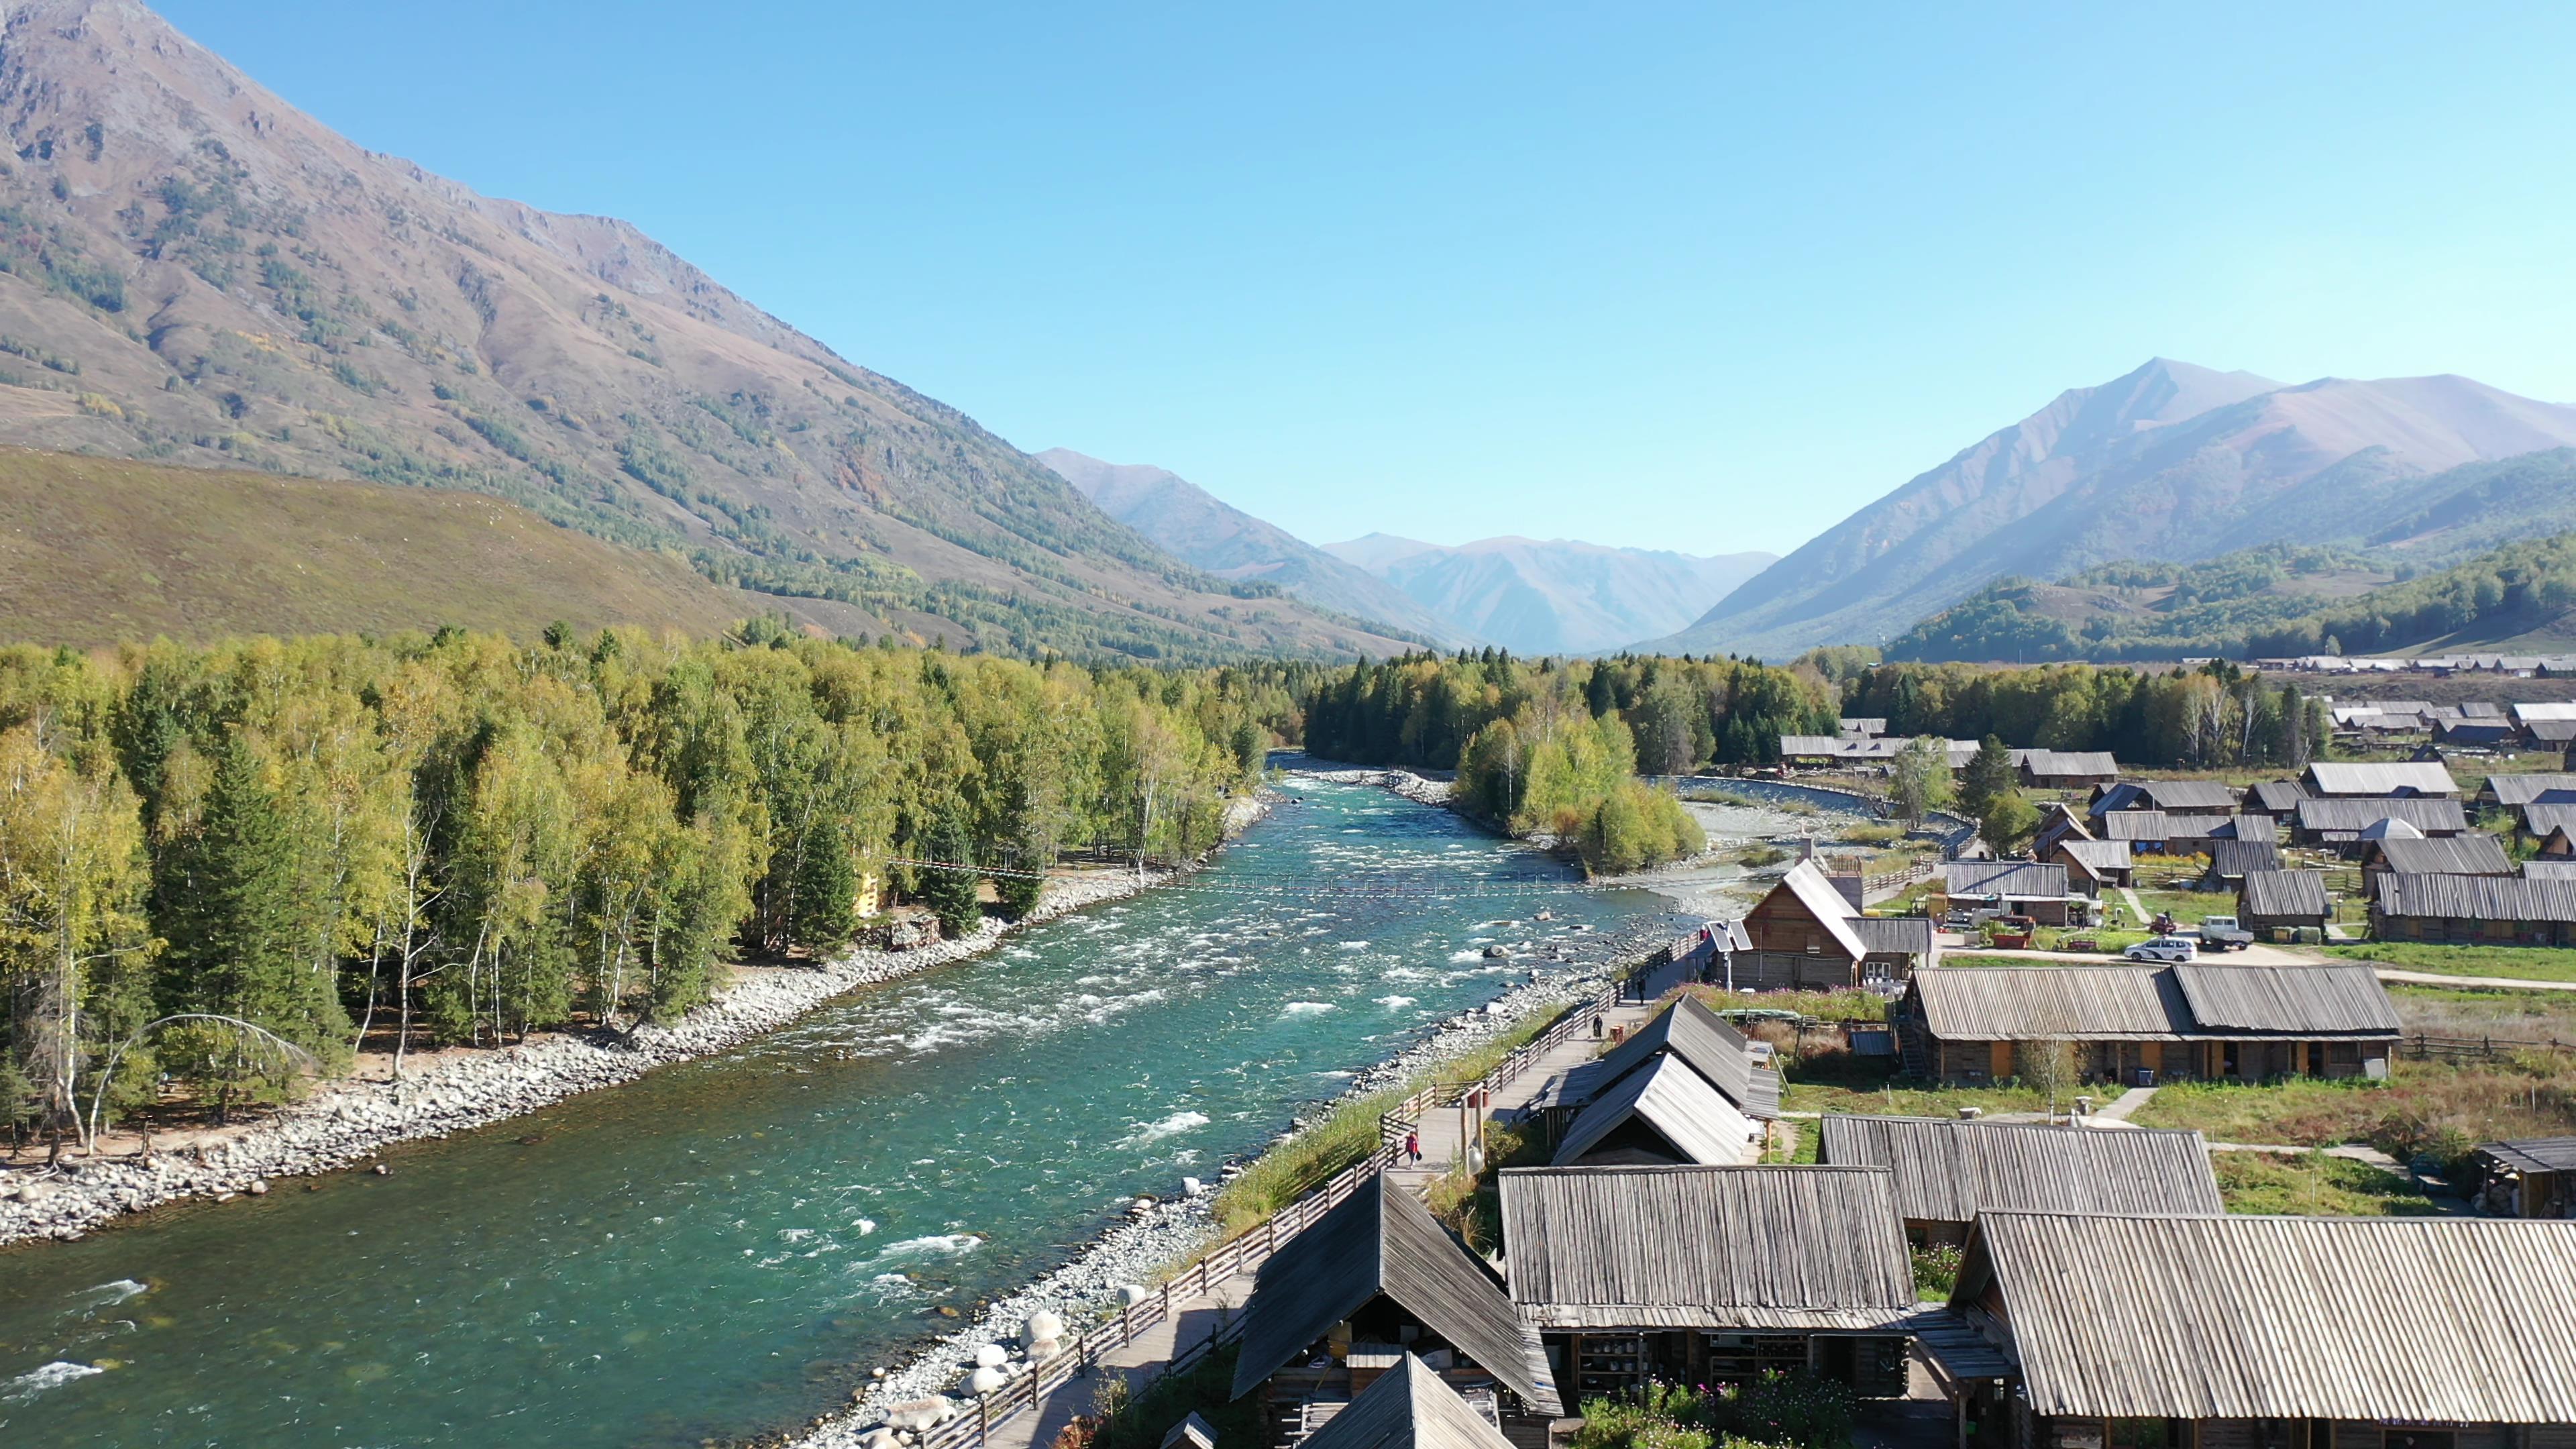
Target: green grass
<point>2526,963</point>
<point>2425,1109</point>
<point>2496,1012</point>
<point>1822,1005</point>
<point>1841,1082</point>
<point>2311,1184</point>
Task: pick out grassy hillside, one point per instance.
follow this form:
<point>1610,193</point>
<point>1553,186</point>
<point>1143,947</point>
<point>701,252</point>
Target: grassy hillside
<point>95,550</point>
<point>2272,601</point>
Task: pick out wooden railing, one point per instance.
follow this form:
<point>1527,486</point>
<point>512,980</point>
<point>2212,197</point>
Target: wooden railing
<point>970,1430</point>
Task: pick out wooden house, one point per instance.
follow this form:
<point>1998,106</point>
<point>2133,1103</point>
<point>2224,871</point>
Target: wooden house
<point>2165,833</point>
<point>1688,1031</point>
<point>2540,820</point>
<point>2278,799</point>
<point>2093,866</point>
<point>2243,1332</point>
<point>1947,1170</point>
<point>2175,797</point>
<point>2513,792</point>
<point>2472,854</point>
<point>2532,1178</point>
<point>1860,728</point>
<point>1710,1274</point>
<point>1367,1283</point>
<point>2473,909</point>
<point>2058,821</point>
<point>2016,887</point>
<point>2544,867</point>
<point>1661,1113</point>
<point>2068,769</point>
<point>1807,935</point>
<point>2141,1024</point>
<point>2475,734</point>
<point>2230,861</point>
<point>2339,823</point>
<point>1409,1406</point>
<point>2283,900</point>
<point>2328,779</point>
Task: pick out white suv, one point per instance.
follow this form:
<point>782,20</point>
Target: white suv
<point>2164,948</point>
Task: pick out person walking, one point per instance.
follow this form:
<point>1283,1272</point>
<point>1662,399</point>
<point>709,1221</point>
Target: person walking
<point>1413,1147</point>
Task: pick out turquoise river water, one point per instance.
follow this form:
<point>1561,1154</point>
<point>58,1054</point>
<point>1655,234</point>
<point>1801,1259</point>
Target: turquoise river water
<point>726,1246</point>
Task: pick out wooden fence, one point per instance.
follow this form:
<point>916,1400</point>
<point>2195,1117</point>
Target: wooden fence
<point>971,1430</point>
<point>2422,1047</point>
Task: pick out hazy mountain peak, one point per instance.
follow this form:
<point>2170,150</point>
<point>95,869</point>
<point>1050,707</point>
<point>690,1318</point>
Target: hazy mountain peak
<point>2168,461</point>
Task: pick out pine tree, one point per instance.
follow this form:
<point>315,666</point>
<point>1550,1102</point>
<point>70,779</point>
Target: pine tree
<point>1989,776</point>
<point>827,891</point>
<point>951,894</point>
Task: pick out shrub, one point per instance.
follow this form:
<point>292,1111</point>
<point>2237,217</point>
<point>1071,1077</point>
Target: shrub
<point>1936,1270</point>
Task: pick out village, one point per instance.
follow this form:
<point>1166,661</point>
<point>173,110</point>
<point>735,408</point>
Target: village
<point>2163,1133</point>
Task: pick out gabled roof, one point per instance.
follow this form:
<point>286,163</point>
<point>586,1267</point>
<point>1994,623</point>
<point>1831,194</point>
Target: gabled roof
<point>1383,1240</point>
<point>2096,856</point>
<point>2203,797</point>
<point>1678,1103</point>
<point>2284,894</point>
<point>2353,814</point>
<point>2534,1154</point>
<point>1808,884</point>
<point>1687,1029</point>
<point>2277,797</point>
<point>2021,879</point>
<point>2549,789</point>
<point>2151,1003</point>
<point>1948,1170</point>
<point>1706,1247</point>
<point>2449,1320</point>
<point>2062,764</point>
<point>1861,726</point>
<point>2471,854</point>
<point>2473,897</point>
<point>1898,935</point>
<point>2542,819</point>
<point>2532,713</point>
<point>2163,825</point>
<point>2537,869</point>
<point>1409,1407</point>
<point>2551,731</point>
<point>2233,859</point>
<point>2334,777</point>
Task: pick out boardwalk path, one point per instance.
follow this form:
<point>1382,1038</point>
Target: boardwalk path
<point>1194,1319</point>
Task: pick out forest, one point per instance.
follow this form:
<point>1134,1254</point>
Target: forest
<point>224,867</point>
<point>1550,749</point>
<point>2215,716</point>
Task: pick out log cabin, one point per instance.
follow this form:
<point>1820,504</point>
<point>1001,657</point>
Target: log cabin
<point>1806,934</point>
<point>1947,1170</point>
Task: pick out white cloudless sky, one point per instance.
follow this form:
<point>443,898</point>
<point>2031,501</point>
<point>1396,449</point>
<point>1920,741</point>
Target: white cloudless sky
<point>1690,276</point>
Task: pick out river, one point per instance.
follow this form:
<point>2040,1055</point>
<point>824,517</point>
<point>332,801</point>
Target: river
<point>726,1246</point>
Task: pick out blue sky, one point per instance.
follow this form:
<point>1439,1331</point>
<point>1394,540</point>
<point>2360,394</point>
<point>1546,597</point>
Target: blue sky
<point>1692,277</point>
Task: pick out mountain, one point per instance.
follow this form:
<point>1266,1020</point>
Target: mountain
<point>2170,462</point>
<point>1552,597</point>
<point>1196,527</point>
<point>97,551</point>
<point>192,271</point>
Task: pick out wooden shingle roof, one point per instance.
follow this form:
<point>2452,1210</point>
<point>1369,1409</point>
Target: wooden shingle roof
<point>2351,815</point>
<point>2448,1320</point>
<point>1706,1247</point>
<point>2151,1003</point>
<point>2017,879</point>
<point>2552,789</point>
<point>2278,894</point>
<point>2473,897</point>
<point>2232,859</point>
<point>2333,777</point>
<point>1687,1029</point>
<point>1948,1170</point>
<point>1409,1407</point>
<point>2476,853</point>
<point>1383,1240</point>
<point>1677,1102</point>
<point>2534,1154</point>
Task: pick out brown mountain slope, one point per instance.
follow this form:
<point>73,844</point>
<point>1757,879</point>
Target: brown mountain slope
<point>98,550</point>
<point>196,272</point>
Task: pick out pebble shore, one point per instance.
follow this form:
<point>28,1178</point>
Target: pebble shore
<point>346,1122</point>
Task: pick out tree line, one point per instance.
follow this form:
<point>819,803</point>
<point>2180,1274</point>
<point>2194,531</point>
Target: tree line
<point>2213,716</point>
<point>221,867</point>
<point>1552,747</point>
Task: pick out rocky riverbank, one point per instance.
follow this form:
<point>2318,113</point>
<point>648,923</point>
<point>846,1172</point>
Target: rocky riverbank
<point>344,1123</point>
<point>1160,1237</point>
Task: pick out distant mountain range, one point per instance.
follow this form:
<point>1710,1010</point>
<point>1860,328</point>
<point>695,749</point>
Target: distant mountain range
<point>2171,462</point>
<point>193,271</point>
<point>1199,528</point>
<point>1553,596</point>
<point>1526,596</point>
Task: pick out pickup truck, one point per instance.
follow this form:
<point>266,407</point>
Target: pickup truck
<point>2221,933</point>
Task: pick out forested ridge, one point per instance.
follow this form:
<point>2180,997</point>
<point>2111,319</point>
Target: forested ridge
<point>1552,748</point>
<point>2215,715</point>
<point>459,839</point>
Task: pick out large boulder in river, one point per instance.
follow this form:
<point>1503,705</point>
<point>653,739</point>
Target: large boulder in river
<point>919,1414</point>
<point>1041,1327</point>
